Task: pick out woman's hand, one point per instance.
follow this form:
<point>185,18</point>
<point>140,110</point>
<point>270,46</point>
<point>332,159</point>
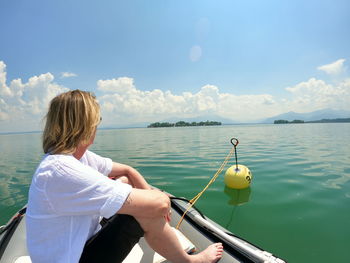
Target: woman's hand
<point>123,179</point>
<point>129,175</point>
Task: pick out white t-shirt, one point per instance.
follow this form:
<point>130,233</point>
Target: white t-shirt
<point>67,197</point>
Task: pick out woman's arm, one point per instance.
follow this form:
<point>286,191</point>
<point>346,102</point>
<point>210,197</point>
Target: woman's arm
<point>134,178</point>
<point>131,176</point>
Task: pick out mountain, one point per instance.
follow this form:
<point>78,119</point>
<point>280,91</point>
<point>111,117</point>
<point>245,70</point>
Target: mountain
<point>310,116</point>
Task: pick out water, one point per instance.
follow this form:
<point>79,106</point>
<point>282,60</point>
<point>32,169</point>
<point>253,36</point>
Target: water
<point>298,206</point>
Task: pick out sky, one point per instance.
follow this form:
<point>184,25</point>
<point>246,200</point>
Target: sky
<point>155,60</point>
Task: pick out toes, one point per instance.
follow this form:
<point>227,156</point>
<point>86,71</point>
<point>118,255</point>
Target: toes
<point>219,245</point>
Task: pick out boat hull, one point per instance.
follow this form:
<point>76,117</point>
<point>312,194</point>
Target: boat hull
<point>197,228</point>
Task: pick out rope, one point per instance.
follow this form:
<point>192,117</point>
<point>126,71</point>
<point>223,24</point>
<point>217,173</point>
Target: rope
<point>212,180</point>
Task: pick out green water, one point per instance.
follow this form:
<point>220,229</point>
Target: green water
<point>298,206</point>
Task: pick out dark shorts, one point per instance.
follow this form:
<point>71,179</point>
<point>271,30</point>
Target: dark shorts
<point>114,241</point>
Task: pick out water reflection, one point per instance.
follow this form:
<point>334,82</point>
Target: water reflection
<point>237,197</point>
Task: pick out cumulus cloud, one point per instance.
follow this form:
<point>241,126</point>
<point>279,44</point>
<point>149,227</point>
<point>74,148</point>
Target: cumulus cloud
<point>24,103</point>
<point>122,103</point>
<point>123,100</point>
<point>123,84</point>
<point>4,90</point>
<point>316,94</point>
<point>68,75</point>
<point>334,68</point>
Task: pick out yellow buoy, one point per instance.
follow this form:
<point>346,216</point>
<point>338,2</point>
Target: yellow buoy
<point>238,177</point>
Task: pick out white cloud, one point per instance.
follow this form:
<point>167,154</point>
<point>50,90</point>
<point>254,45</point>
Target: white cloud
<point>123,84</point>
<point>4,90</point>
<point>334,68</point>
<point>124,102</point>
<point>68,75</point>
<point>316,94</point>
<point>23,105</point>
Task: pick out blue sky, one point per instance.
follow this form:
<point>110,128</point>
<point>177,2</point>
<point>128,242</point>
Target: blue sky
<point>153,60</point>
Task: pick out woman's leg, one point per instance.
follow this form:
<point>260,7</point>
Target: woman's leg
<point>161,237</point>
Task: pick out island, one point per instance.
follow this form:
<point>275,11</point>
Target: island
<point>183,124</point>
<point>338,120</point>
<point>286,122</point>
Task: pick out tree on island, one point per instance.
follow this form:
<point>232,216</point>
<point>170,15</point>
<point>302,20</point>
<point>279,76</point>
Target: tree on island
<point>337,120</point>
<point>280,122</point>
<point>287,122</point>
<point>183,124</point>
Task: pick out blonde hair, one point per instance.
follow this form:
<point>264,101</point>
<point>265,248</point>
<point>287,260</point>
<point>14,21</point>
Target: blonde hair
<point>71,120</point>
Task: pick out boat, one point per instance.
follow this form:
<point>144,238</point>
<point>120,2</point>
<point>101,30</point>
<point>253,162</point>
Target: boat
<point>195,233</point>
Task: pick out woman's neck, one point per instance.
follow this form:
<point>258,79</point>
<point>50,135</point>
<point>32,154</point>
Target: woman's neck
<point>79,152</point>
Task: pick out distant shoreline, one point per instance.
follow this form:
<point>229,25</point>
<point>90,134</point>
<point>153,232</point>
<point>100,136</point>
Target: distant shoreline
<point>19,132</point>
<point>344,120</point>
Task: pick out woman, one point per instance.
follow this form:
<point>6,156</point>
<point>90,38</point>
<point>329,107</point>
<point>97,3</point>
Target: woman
<point>71,191</point>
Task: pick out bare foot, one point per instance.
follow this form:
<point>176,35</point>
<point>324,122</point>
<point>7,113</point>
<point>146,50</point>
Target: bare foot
<point>210,255</point>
